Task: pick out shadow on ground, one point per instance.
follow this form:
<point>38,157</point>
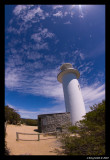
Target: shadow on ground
<point>36,130</point>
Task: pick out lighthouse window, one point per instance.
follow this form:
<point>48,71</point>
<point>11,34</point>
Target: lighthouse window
<point>79,87</point>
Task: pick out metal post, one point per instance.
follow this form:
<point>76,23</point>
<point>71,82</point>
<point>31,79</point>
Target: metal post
<point>17,137</point>
<point>38,137</point>
<point>56,135</point>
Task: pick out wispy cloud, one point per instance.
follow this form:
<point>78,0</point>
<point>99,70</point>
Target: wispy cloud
<point>26,15</point>
<point>50,58</point>
<point>36,37</point>
<point>42,34</point>
<point>32,13</point>
<point>14,30</point>
<point>82,56</point>
<point>34,55</point>
<point>40,46</point>
<point>20,8</point>
<point>12,78</point>
<point>40,38</point>
<point>58,14</point>
<point>22,27</point>
<point>92,94</point>
<point>86,67</point>
<point>33,114</point>
<point>57,6</point>
<point>19,80</point>
<point>28,114</point>
<point>45,84</point>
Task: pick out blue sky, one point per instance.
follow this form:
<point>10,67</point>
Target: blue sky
<point>38,40</point>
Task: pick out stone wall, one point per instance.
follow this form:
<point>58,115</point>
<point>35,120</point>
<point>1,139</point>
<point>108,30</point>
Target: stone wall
<point>52,122</point>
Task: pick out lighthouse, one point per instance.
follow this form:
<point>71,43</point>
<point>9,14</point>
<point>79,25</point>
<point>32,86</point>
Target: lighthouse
<point>74,103</point>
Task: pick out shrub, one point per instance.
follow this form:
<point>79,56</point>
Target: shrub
<point>11,115</point>
<point>91,131</point>
<point>30,122</point>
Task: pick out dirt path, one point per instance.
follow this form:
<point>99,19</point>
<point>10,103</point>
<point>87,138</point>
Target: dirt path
<point>46,145</point>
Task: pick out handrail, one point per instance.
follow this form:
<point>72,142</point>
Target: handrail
<point>27,133</point>
<point>17,134</point>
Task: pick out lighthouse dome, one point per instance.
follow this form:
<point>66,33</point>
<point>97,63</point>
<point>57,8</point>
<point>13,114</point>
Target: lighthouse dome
<point>66,66</point>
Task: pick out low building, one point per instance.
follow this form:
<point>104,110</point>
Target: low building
<point>52,122</point>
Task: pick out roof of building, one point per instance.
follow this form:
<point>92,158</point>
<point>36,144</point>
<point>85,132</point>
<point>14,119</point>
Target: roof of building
<point>53,114</point>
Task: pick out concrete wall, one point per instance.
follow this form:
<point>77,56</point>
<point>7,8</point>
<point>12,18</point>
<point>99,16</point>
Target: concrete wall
<point>52,122</point>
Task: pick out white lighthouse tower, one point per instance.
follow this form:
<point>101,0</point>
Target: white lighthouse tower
<point>72,92</point>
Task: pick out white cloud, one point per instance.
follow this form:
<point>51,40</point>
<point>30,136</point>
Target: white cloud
<point>14,59</point>
<point>36,37</point>
<point>11,106</point>
<point>19,8</point>
<point>33,55</point>
<point>22,28</point>
<point>93,94</point>
<point>50,58</point>
<point>85,68</point>
<point>33,114</point>
<point>45,33</point>
<point>39,43</point>
<point>58,14</point>
<point>32,66</point>
<point>40,37</point>
<point>26,111</point>
<point>45,83</point>
<point>41,46</point>
<point>57,6</point>
<point>23,68</point>
<point>79,54</point>
<point>14,30</point>
<point>82,56</point>
<point>36,46</point>
<point>62,12</point>
<point>32,13</point>
<point>12,78</point>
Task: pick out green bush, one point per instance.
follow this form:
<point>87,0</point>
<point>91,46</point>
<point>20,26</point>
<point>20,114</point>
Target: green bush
<point>91,131</point>
<point>30,122</point>
<point>11,116</point>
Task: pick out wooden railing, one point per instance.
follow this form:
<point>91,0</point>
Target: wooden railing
<point>17,135</point>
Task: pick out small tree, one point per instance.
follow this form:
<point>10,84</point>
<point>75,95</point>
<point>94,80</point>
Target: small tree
<point>11,115</point>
